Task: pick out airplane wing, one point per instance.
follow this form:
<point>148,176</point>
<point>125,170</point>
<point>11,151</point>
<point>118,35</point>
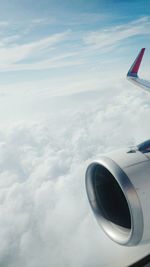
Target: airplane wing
<point>132,74</point>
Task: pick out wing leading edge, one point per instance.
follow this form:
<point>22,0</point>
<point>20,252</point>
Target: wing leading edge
<point>132,74</point>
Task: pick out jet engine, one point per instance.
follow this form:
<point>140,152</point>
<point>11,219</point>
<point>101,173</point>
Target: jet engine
<point>118,189</point>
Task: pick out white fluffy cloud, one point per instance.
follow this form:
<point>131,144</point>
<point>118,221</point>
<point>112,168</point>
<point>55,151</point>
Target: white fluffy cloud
<point>45,218</point>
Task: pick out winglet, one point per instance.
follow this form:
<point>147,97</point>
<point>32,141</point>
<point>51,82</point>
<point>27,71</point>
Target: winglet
<point>133,71</point>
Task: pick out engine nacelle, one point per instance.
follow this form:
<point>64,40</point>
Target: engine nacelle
<point>118,189</point>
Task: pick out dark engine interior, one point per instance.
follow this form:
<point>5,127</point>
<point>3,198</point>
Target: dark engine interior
<point>110,198</point>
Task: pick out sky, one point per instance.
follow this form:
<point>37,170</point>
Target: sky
<point>64,101</point>
<point>43,42</point>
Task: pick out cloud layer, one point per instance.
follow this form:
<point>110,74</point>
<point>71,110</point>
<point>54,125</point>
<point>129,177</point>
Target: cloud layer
<point>45,218</point>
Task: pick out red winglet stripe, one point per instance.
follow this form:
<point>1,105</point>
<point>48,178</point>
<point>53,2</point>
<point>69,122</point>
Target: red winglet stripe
<point>137,62</point>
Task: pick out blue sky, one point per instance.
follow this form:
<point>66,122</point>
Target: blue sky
<point>41,40</point>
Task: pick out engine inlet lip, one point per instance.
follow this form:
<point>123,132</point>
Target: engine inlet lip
<point>128,237</point>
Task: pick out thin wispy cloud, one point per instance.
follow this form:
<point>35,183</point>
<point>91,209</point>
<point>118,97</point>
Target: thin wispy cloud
<point>43,21</point>
<point>110,37</point>
<point>59,62</point>
<point>50,51</point>
<point>14,53</point>
<point>4,24</point>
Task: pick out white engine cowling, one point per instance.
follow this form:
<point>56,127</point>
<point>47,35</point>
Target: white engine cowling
<point>118,189</point>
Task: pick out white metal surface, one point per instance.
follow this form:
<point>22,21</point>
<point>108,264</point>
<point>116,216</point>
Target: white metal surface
<point>132,74</point>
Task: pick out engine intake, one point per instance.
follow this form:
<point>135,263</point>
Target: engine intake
<point>118,189</point>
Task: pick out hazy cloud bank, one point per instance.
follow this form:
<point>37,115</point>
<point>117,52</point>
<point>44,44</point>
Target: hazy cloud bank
<point>45,218</point>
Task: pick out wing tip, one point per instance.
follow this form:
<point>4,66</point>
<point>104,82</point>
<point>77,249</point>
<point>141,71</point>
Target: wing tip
<point>133,71</point>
